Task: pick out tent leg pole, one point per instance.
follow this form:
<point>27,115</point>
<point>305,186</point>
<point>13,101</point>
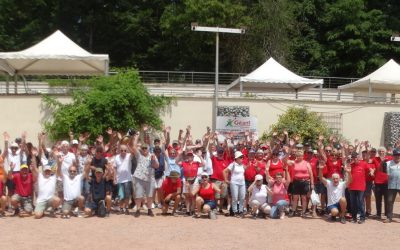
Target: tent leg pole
<point>7,85</point>
<point>15,84</point>
<point>320,92</point>
<point>241,89</point>
<point>369,91</point>
<point>297,94</point>
<point>338,97</point>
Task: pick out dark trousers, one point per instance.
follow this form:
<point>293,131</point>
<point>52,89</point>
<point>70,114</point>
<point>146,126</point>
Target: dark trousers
<point>391,197</point>
<point>380,191</point>
<point>347,195</point>
<point>357,204</point>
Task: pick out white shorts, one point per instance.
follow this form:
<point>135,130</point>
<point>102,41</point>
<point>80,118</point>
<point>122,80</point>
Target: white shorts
<point>159,183</point>
<point>187,187</point>
<point>143,188</point>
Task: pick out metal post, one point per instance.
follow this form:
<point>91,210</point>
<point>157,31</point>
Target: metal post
<point>15,84</point>
<point>216,80</point>
<point>369,90</point>
<point>7,84</point>
<point>320,92</point>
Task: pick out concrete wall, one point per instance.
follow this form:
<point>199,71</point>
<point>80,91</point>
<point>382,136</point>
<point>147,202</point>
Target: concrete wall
<point>360,120</point>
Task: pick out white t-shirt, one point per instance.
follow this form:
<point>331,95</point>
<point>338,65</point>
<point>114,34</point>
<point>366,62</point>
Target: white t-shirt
<point>237,175</point>
<point>47,187</point>
<point>72,187</point>
<point>123,167</point>
<point>335,192</point>
<point>17,159</point>
<point>69,159</point>
<point>259,194</point>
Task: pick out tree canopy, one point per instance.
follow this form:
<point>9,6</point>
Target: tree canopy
<point>120,101</point>
<point>312,37</point>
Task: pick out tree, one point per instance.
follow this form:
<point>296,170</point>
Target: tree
<point>120,101</point>
<point>302,122</point>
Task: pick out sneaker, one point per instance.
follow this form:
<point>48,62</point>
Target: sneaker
<point>159,206</point>
<point>16,211</point>
<point>79,214</point>
<point>354,221</point>
<point>153,206</point>
<point>137,213</point>
<point>126,211</point>
<point>213,215</point>
<point>107,214</point>
<point>145,207</point>
<point>150,213</point>
<point>332,218</point>
<point>343,220</point>
<point>282,215</point>
<point>241,215</point>
<point>291,214</point>
<point>254,216</point>
<point>387,220</point>
<point>361,221</point>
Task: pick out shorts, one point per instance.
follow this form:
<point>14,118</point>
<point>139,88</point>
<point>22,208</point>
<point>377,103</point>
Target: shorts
<point>93,205</point>
<point>59,186</point>
<point>159,183</point>
<point>336,205</point>
<point>143,188</point>
<point>211,203</point>
<point>26,202</point>
<point>290,188</point>
<point>368,189</point>
<point>68,205</point>
<point>301,187</point>
<point>320,188</point>
<point>188,187</point>
<point>10,186</point>
<point>224,191</point>
<point>41,206</point>
<point>125,190</point>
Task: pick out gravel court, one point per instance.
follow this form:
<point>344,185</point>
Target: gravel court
<point>125,231</point>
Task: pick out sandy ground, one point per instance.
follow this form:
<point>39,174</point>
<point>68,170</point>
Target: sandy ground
<point>127,232</point>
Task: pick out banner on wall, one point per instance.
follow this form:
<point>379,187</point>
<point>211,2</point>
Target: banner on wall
<point>236,124</point>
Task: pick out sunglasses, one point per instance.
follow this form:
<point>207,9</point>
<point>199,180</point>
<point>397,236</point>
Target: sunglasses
<point>204,177</point>
<point>123,150</point>
<point>72,171</point>
<point>14,148</point>
<point>144,148</point>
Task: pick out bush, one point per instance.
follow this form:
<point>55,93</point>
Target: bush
<point>120,101</point>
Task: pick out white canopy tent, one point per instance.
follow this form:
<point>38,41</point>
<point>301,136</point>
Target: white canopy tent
<point>55,55</point>
<point>272,76</point>
<point>386,79</point>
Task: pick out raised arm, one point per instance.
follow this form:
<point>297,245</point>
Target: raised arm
<point>34,165</point>
<point>60,160</point>
<point>348,178</point>
<point>321,166</point>
<point>6,139</point>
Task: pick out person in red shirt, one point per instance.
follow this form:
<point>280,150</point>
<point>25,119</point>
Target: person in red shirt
<point>381,182</point>
<point>275,165</point>
<point>217,177</point>
<point>3,178</point>
<point>357,187</point>
<point>205,201</point>
<point>369,158</point>
<point>170,191</point>
<point>23,189</point>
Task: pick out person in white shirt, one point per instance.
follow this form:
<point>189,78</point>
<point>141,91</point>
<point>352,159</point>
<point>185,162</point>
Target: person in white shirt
<point>258,199</point>
<point>336,192</point>
<point>123,177</point>
<point>72,185</point>
<point>46,195</point>
<point>69,159</point>
<point>237,183</point>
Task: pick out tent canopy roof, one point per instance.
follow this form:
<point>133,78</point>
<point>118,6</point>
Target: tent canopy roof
<point>55,55</point>
<point>273,76</point>
<point>385,79</point>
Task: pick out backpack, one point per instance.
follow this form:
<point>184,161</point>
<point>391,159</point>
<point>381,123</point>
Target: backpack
<point>101,210</point>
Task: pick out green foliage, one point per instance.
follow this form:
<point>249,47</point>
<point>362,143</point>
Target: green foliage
<point>302,122</point>
<point>120,102</point>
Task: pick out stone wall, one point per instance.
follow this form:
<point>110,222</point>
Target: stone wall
<point>391,128</point>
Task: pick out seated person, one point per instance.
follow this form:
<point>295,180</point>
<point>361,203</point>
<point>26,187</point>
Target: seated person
<point>170,191</point>
<point>205,200</point>
<point>336,193</point>
<point>258,199</point>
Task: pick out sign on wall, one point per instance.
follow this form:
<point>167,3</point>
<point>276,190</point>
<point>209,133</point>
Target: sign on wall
<point>236,124</point>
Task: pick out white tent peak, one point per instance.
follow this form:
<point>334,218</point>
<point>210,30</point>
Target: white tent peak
<point>386,78</point>
<point>272,76</point>
<point>55,55</point>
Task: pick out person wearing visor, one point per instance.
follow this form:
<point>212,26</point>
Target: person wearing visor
<point>170,191</point>
<point>258,199</point>
<point>237,183</point>
<point>205,200</point>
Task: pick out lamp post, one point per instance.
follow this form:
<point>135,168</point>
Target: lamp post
<point>216,30</point>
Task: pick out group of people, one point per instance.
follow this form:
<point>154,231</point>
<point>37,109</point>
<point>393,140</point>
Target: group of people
<point>241,177</point>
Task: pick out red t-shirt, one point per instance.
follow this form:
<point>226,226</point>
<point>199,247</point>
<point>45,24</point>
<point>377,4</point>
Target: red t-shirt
<point>358,176</point>
<point>190,169</point>
<point>371,165</point>
<point>334,167</point>
<point>23,187</point>
<point>255,168</point>
<point>218,167</point>
<point>314,162</point>
<point>207,193</point>
<point>381,177</point>
<point>1,188</point>
<point>168,187</point>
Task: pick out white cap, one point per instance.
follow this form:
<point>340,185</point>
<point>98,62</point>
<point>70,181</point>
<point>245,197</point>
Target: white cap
<point>259,177</point>
<point>46,167</point>
<point>75,141</point>
<point>84,147</point>
<point>14,145</point>
<point>64,143</point>
<point>204,174</point>
<point>238,154</point>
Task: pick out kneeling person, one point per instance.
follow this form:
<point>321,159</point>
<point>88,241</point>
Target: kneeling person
<point>170,191</point>
<point>23,189</point>
<point>100,202</point>
<point>205,201</point>
<point>258,200</point>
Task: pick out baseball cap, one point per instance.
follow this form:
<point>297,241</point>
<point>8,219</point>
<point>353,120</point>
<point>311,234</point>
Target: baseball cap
<point>75,141</point>
<point>204,174</point>
<point>46,167</point>
<point>23,166</point>
<point>175,142</point>
<point>84,147</point>
<point>99,170</point>
<point>238,154</point>
<point>14,145</point>
<point>64,143</point>
<point>259,177</point>
<point>355,155</point>
<point>144,145</point>
<point>18,140</point>
<point>299,145</point>
<point>260,151</point>
<point>396,151</point>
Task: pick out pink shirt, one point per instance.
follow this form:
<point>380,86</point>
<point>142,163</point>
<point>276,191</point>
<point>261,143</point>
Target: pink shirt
<point>300,171</point>
<point>278,192</point>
